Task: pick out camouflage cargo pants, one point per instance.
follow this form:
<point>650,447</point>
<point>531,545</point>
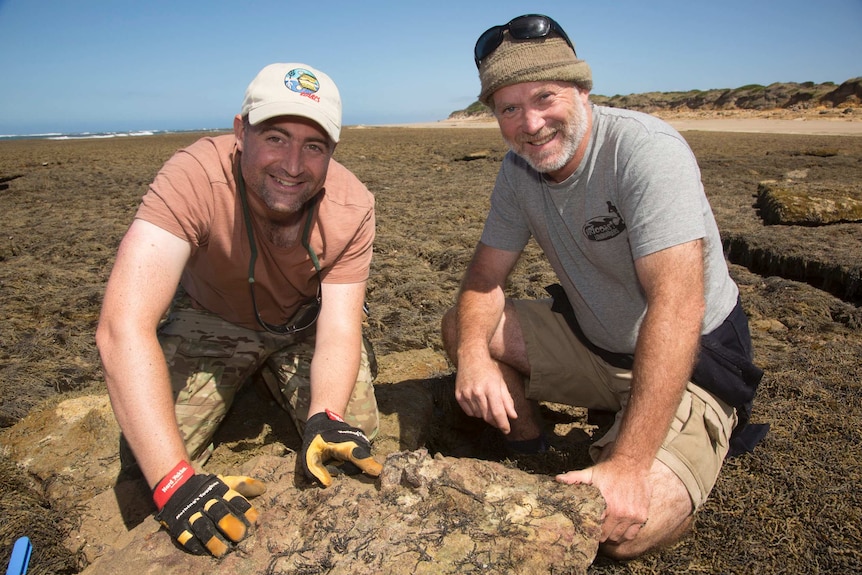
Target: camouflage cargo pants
<point>210,360</point>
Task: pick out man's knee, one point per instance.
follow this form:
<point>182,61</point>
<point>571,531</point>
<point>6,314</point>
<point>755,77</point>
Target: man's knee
<point>646,542</point>
<point>671,512</point>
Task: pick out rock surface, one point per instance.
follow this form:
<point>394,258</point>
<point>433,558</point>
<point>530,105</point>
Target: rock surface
<point>426,514</point>
<point>808,203</point>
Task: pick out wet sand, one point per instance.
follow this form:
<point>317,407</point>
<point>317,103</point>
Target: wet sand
<point>767,126</point>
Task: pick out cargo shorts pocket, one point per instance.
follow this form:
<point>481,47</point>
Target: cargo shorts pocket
<point>714,429</point>
<point>195,364</point>
<point>205,348</point>
<point>696,446</point>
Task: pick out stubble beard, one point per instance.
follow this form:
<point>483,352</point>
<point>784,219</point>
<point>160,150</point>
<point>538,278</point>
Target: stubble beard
<point>571,133</point>
<point>282,206</point>
<point>278,204</point>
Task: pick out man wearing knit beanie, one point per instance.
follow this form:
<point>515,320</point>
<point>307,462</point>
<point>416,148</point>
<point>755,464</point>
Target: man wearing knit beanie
<point>645,321</point>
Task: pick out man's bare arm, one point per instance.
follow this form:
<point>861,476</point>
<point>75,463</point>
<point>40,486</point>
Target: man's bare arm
<point>666,350</point>
<point>142,283</point>
<point>338,338</point>
<point>480,389</point>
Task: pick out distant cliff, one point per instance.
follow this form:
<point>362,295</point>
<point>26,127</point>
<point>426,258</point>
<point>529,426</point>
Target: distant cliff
<point>785,96</point>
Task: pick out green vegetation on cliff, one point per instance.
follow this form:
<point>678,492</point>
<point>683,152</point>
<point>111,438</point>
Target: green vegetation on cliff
<point>780,95</point>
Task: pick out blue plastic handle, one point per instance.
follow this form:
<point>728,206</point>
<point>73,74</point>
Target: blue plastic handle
<point>20,557</point>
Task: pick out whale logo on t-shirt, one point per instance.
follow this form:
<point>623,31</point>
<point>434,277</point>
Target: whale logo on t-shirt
<point>603,228</point>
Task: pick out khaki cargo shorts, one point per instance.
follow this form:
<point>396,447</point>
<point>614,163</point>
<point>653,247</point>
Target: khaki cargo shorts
<point>211,359</point>
<point>565,371</point>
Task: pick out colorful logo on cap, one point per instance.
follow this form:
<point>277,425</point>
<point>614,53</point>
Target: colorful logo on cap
<point>301,81</point>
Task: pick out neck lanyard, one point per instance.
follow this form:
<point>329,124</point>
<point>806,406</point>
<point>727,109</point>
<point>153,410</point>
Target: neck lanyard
<point>306,232</point>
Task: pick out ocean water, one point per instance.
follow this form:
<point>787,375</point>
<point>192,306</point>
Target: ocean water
<point>94,135</point>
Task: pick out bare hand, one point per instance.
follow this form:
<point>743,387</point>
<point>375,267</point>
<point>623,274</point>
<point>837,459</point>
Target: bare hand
<point>627,493</point>
<point>481,391</point>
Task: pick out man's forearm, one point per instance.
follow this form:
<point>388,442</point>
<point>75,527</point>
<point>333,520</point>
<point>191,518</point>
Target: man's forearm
<point>337,347</point>
<point>334,368</point>
<point>478,317</point>
<point>664,359</point>
<point>140,392</point>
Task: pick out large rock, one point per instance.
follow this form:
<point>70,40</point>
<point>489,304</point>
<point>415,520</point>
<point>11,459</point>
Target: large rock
<point>70,448</point>
<point>808,203</point>
<point>425,514</point>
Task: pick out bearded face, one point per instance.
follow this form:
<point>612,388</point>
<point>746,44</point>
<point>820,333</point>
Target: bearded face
<point>545,123</point>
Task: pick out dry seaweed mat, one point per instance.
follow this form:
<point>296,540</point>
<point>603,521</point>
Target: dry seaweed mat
<point>793,506</point>
<point>26,511</point>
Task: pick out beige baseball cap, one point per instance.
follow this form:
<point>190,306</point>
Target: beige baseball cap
<point>294,90</point>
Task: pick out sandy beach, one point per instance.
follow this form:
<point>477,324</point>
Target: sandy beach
<point>769,126</point>
<point>802,124</point>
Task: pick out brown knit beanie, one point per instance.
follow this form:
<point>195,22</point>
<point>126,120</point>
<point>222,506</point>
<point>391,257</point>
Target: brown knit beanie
<point>516,61</point>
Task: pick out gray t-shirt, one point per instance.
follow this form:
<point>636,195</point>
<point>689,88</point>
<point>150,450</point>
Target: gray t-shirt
<point>637,191</point>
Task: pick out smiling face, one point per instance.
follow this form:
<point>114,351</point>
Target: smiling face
<point>546,123</point>
<point>284,162</point>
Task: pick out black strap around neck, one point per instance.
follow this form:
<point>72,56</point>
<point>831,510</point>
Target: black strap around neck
<point>246,213</point>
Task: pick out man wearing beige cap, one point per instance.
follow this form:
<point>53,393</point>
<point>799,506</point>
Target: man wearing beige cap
<point>645,321</point>
<point>247,259</point>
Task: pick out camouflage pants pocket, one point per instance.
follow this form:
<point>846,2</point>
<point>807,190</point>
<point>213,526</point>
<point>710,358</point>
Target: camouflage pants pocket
<point>286,374</point>
<point>206,373</point>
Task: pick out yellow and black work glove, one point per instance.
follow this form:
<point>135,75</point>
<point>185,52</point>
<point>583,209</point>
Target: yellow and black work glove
<point>328,437</point>
<point>206,513</point>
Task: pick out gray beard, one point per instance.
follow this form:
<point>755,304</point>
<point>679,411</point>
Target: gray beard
<point>573,134</point>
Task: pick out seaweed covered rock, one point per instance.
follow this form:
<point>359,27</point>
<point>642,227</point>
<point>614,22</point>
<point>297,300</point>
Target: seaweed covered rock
<point>425,515</point>
<point>808,203</point>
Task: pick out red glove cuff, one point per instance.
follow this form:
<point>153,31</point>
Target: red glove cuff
<point>182,472</point>
<point>334,416</point>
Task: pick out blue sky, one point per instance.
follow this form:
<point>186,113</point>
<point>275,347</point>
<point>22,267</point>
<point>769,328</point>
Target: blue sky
<point>99,65</point>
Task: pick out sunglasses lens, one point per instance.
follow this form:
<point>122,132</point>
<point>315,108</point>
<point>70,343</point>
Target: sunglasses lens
<point>529,27</point>
<point>306,316</point>
<point>487,43</point>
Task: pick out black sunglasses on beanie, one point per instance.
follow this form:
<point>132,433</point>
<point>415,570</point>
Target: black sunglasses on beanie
<point>527,27</point>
